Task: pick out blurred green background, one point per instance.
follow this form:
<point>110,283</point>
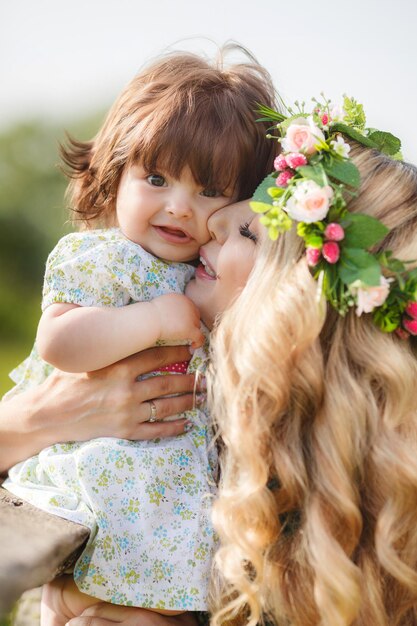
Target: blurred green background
<point>33,216</point>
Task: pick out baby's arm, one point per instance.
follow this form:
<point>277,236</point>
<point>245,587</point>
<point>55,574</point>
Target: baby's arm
<point>62,601</point>
<point>79,339</point>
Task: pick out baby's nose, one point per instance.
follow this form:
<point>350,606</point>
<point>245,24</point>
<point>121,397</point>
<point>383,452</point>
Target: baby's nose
<point>179,208</point>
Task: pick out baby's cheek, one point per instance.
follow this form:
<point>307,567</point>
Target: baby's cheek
<point>203,236</point>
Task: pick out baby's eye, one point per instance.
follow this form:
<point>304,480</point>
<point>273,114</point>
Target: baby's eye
<point>211,193</point>
<point>245,231</point>
<point>156,180</point>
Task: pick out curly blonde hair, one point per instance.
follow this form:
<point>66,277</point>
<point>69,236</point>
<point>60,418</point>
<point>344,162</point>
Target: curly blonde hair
<point>317,510</point>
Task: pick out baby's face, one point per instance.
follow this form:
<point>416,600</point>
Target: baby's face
<point>226,260</point>
<point>166,216</point>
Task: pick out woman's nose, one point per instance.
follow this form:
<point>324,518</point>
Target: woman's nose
<point>217,225</point>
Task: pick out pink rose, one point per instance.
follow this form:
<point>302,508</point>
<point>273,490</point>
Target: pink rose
<point>411,310</point>
<point>283,178</point>
<point>295,159</point>
<point>313,256</point>
<point>309,202</point>
<point>302,136</point>
<point>280,163</point>
<point>370,297</point>
<point>334,232</point>
<point>331,252</point>
<point>410,326</point>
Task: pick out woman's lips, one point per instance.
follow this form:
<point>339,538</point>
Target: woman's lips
<point>200,272</point>
<point>173,235</point>
<point>204,269</point>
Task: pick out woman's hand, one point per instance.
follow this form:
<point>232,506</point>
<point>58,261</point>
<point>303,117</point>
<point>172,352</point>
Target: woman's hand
<point>104,614</point>
<point>110,402</point>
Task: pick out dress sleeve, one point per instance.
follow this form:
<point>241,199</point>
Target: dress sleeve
<point>84,269</point>
<point>102,268</point>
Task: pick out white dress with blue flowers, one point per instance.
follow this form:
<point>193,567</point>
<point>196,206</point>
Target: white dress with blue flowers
<point>147,503</point>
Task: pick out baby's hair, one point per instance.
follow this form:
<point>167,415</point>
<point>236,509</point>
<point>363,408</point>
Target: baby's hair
<point>317,510</point>
<point>179,111</point>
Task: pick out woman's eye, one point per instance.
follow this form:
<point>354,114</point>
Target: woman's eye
<point>156,180</point>
<point>245,231</point>
<point>210,193</point>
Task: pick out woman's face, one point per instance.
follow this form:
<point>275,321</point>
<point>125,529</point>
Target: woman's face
<point>226,261</point>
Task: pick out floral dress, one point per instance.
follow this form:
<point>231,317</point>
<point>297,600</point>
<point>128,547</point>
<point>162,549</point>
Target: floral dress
<point>147,503</point>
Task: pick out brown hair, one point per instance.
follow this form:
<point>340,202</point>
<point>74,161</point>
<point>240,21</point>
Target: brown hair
<point>180,110</point>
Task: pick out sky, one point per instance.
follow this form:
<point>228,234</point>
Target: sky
<point>60,59</point>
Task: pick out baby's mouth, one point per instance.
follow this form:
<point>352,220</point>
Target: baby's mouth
<point>173,234</point>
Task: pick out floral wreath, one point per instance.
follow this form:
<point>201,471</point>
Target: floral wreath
<point>313,175</point>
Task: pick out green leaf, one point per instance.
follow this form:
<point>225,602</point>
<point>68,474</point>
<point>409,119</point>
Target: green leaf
<point>394,265</point>
<point>261,192</point>
<point>385,142</point>
<point>273,233</point>
<point>356,264</point>
<point>313,241</point>
<point>344,171</point>
<point>355,115</point>
<point>387,321</point>
<point>275,192</point>
<point>314,172</point>
<point>260,207</point>
<point>362,231</point>
<point>339,127</point>
<point>269,114</point>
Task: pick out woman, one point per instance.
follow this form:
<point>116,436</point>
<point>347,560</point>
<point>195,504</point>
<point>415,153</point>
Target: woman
<point>317,510</point>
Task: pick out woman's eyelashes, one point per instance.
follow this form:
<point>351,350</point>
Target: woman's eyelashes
<point>245,231</point>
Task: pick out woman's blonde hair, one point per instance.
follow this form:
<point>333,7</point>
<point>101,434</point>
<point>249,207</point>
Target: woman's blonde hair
<point>179,111</point>
<point>317,511</point>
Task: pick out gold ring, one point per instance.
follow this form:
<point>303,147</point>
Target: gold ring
<point>153,411</point>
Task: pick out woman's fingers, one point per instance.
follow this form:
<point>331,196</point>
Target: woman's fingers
<point>165,385</point>
<point>91,620</point>
<point>112,402</point>
<point>146,361</point>
<point>104,614</point>
<point>167,407</point>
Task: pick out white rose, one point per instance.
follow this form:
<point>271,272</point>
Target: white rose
<point>367,297</point>
<point>302,136</point>
<point>309,202</point>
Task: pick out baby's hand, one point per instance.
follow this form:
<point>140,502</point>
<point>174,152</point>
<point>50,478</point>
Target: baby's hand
<point>179,319</point>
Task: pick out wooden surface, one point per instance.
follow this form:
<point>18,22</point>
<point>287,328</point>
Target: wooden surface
<point>35,547</point>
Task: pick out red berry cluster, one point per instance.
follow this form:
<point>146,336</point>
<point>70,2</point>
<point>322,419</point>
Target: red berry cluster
<point>286,166</point>
<point>409,322</point>
<point>330,250</point>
